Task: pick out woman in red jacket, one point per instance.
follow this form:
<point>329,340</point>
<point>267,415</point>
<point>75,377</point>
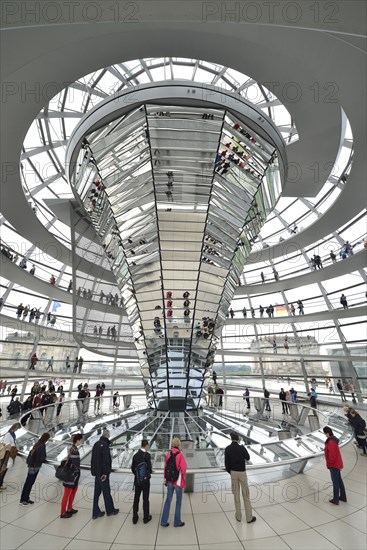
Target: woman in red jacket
<point>174,467</point>
<point>334,463</point>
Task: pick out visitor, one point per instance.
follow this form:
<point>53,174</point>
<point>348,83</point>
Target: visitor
<point>32,271</point>
<point>50,364</point>
<point>266,398</point>
<point>141,467</point>
<point>174,479</point>
<point>359,426</point>
<point>9,440</point>
<point>275,347</point>
<point>52,280</point>
<point>261,309</point>
<point>235,456</point>
<point>283,399</point>
<point>252,312</point>
<point>300,307</point>
<point>334,464</point>
<point>36,457</point>
<point>333,257</point>
<point>262,277</point>
<point>313,398</point>
<point>293,309</point>
<point>231,312</point>
<point>286,344</point>
<point>246,396</point>
<point>343,301</point>
<point>101,468</point>
<point>244,312</point>
<point>340,387</point>
<point>71,487</point>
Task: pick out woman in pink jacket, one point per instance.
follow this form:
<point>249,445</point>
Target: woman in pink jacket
<point>174,479</point>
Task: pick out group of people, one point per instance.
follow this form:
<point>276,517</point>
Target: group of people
<point>111,332</point>
<point>205,328</point>
<point>36,404</point>
<point>109,299</point>
<point>215,395</point>
<point>35,314</point>
<point>268,310</point>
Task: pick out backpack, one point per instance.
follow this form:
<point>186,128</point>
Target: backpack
<point>141,474</point>
<point>172,472</point>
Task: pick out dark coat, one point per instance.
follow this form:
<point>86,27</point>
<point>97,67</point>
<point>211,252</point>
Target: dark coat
<point>101,458</point>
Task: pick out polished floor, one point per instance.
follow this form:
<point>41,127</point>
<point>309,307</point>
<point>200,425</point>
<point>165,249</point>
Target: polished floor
<point>291,513</point>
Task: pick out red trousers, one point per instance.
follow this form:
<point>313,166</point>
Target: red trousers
<point>68,499</point>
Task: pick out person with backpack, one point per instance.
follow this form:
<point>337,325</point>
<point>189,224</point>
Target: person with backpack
<point>71,487</point>
<point>141,467</point>
<point>35,459</point>
<point>174,478</point>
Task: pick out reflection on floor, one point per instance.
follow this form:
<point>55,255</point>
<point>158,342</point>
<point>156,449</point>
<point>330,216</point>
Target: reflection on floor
<point>291,513</point>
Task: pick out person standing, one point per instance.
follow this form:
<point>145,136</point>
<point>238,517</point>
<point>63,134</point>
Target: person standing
<point>286,344</point>
<point>50,364</point>
<point>235,456</point>
<point>246,396</point>
<point>175,480</point>
<point>334,463</point>
<point>343,301</point>
<point>266,397</point>
<point>101,468</point>
<point>283,399</point>
<point>34,360</point>
<point>36,457</point>
<point>71,487</point>
<point>313,398</point>
<point>81,361</point>
<point>9,441</point>
<point>141,467</point>
<point>359,426</point>
<point>97,399</point>
<point>220,393</point>
<point>339,385</point>
<point>60,403</point>
<point>210,395</point>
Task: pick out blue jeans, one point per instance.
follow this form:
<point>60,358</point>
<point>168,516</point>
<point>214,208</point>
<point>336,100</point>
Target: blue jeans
<point>167,505</point>
<point>338,485</point>
<point>29,482</point>
<point>102,487</point>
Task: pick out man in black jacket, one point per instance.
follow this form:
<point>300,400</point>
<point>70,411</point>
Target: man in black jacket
<point>140,485</point>
<point>235,457</point>
<point>101,467</point>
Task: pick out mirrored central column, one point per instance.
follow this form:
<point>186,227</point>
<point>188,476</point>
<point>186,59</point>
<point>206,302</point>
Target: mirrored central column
<point>176,195</point>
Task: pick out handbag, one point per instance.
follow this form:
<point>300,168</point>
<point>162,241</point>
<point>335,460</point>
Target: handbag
<point>64,472</point>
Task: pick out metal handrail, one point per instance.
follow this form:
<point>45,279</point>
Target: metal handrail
<point>289,461</point>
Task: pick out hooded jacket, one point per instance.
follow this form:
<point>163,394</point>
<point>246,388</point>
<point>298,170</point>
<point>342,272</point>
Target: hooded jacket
<point>332,453</point>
